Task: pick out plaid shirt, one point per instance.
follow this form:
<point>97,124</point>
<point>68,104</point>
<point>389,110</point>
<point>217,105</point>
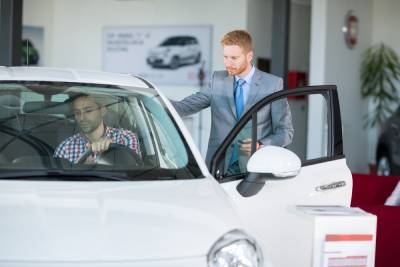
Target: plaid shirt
<point>74,147</point>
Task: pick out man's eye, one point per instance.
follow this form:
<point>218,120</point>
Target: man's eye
<point>84,111</point>
<point>88,110</point>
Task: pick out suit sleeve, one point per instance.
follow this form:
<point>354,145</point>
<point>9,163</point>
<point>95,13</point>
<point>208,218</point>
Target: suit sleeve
<point>281,120</point>
<point>194,103</point>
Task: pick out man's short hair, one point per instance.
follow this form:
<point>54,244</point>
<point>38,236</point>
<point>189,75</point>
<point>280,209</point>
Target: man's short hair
<point>99,100</point>
<point>240,38</point>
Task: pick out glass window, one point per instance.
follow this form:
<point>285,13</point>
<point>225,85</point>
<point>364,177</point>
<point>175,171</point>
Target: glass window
<point>308,132</point>
<point>31,96</point>
<point>51,126</point>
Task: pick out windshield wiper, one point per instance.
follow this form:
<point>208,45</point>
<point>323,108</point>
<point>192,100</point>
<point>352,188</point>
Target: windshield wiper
<point>63,175</point>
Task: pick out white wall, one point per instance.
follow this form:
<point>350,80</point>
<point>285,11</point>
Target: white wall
<point>386,23</point>
<point>385,28</point>
<point>40,14</point>
<point>343,69</point>
<point>259,24</point>
<point>333,63</point>
<point>299,37</point>
<point>76,25</point>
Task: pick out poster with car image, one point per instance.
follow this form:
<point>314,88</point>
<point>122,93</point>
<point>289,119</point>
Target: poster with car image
<point>167,55</point>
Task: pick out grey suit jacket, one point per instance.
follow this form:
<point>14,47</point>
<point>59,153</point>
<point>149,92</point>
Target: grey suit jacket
<point>274,121</point>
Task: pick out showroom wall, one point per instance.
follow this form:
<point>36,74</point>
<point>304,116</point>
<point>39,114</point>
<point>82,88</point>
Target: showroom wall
<point>385,28</point>
<point>299,37</point>
<point>39,13</point>
<point>87,19</point>
<point>259,24</point>
<point>332,62</point>
<point>386,22</point>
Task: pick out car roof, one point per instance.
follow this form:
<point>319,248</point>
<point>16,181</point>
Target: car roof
<point>70,75</point>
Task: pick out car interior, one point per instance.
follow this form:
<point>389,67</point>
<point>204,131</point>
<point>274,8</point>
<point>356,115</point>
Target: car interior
<point>34,122</point>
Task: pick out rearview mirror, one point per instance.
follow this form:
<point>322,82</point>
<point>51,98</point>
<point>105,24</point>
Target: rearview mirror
<point>269,162</point>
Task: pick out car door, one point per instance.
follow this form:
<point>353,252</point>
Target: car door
<point>324,178</point>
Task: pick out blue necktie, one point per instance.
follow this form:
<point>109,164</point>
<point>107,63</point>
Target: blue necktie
<point>239,100</point>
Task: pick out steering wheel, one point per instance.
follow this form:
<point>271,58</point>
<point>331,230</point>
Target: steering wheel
<point>116,153</point>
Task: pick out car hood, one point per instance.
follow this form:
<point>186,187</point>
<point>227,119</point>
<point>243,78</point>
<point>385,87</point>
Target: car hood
<point>111,221</point>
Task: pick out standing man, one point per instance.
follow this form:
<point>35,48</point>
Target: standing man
<point>234,91</point>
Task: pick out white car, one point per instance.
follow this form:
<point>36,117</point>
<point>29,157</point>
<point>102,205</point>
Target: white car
<point>174,52</point>
<point>164,208</point>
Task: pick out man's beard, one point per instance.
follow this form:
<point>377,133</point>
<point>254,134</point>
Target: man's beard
<point>87,127</point>
<point>237,71</point>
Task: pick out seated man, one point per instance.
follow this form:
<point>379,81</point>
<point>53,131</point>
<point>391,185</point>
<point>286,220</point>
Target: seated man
<point>94,134</point>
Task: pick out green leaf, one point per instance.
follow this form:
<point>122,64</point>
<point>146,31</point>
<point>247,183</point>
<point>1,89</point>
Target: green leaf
<point>380,81</point>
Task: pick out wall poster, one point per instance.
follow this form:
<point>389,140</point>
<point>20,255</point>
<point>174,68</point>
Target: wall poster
<point>165,55</point>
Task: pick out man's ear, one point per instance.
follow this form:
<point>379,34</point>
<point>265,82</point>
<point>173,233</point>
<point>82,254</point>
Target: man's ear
<point>249,56</point>
<point>103,111</point>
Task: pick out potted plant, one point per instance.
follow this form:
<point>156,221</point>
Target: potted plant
<point>380,81</point>
<point>380,78</point>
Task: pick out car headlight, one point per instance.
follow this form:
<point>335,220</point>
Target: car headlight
<point>235,249</point>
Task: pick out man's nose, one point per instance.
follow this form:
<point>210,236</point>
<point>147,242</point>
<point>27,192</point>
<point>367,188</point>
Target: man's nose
<point>228,63</point>
<point>80,115</point>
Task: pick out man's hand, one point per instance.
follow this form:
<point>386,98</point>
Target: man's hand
<point>245,146</point>
<point>100,145</point>
<point>97,147</point>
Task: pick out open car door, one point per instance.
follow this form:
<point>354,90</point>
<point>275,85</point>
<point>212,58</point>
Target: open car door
<point>266,194</point>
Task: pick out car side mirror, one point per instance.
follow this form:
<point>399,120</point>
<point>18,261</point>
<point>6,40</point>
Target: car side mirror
<point>268,163</point>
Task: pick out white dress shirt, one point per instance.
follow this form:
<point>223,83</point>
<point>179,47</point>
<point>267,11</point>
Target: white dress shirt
<point>246,86</point>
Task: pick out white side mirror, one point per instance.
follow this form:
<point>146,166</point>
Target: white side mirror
<point>275,161</point>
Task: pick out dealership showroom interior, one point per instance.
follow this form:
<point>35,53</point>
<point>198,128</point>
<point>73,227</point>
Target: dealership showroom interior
<point>219,133</point>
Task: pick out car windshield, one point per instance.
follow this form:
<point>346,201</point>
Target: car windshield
<point>49,130</point>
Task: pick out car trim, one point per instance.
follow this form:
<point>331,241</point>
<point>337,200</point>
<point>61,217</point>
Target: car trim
<point>331,186</point>
<point>303,164</point>
<point>322,160</point>
<point>146,82</point>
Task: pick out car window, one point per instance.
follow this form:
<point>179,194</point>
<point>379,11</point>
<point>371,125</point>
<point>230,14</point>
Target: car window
<point>43,127</point>
<point>172,41</point>
<point>306,145</point>
<point>31,96</point>
<point>191,41</point>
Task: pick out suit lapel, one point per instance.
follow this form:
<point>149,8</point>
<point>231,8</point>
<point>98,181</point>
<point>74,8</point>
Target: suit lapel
<point>228,85</point>
<point>255,89</point>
